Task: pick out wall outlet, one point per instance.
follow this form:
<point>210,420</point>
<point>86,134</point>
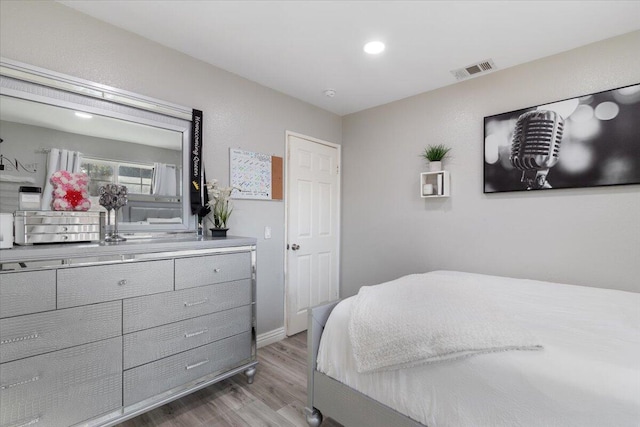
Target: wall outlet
<point>267,232</point>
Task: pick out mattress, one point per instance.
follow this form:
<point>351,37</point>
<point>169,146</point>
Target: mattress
<point>587,375</point>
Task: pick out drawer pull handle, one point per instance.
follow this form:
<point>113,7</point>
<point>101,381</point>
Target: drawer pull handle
<point>195,334</point>
<point>33,336</point>
<point>191,304</point>
<point>122,282</point>
<point>30,423</point>
<point>216,270</point>
<point>23,382</point>
<point>195,365</point>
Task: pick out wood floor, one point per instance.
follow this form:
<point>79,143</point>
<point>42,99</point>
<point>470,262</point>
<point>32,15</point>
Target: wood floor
<point>275,399</point>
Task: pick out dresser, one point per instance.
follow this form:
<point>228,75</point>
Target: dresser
<point>92,335</point>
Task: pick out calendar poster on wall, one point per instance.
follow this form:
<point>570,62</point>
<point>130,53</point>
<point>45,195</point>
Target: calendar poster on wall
<point>253,175</point>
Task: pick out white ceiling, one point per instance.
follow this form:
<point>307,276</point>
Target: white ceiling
<point>302,48</point>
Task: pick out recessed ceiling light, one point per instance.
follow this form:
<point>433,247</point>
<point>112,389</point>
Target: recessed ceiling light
<point>374,48</point>
<point>83,115</point>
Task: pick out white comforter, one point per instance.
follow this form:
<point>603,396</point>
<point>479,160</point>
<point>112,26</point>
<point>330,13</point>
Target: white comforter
<point>587,375</point>
<point>428,318</point>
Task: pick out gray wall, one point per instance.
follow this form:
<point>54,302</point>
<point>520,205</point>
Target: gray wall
<point>237,113</point>
<point>585,236</point>
<point>26,143</point>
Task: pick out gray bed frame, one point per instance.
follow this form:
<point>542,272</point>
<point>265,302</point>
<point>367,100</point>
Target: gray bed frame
<point>327,397</point>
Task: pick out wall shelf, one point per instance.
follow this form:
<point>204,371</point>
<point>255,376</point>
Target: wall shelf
<point>438,181</point>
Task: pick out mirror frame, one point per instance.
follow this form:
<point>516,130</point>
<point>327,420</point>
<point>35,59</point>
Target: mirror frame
<point>37,84</point>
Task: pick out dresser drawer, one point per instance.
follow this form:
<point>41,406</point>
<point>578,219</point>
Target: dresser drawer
<point>27,292</point>
<point>88,285</point>
<point>153,378</point>
<point>64,387</point>
<point>207,270</point>
<point>34,334</point>
<point>155,310</point>
<point>155,343</point>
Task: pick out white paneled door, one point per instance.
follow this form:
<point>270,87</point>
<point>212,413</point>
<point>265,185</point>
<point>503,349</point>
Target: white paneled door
<point>313,210</point>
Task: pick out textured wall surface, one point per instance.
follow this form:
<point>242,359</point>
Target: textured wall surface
<point>237,113</point>
<point>588,236</point>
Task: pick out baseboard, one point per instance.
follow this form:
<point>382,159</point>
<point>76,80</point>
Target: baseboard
<point>270,337</point>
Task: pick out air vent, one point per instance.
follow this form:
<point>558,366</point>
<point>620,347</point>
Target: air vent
<point>474,69</point>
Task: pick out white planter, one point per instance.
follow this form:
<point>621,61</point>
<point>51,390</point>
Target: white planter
<point>435,166</point>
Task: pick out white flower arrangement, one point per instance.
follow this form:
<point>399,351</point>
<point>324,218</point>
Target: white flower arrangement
<point>219,203</point>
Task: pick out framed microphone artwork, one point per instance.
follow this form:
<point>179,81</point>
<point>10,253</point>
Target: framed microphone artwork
<point>586,141</point>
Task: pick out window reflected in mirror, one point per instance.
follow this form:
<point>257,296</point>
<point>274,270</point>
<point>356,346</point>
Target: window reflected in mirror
<point>136,176</point>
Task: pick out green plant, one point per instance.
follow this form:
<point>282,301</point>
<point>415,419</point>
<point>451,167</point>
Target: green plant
<point>436,153</point>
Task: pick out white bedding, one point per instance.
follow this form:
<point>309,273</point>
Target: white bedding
<point>587,375</point>
<point>428,318</point>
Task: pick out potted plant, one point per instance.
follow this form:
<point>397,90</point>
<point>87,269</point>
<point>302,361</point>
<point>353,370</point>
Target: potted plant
<point>221,207</point>
<point>435,154</point>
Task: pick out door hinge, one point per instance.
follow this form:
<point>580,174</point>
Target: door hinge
<point>338,170</point>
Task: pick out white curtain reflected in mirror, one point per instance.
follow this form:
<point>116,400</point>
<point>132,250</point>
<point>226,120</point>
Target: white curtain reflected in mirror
<point>164,180</point>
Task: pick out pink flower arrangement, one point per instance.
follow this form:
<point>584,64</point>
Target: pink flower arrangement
<point>70,191</point>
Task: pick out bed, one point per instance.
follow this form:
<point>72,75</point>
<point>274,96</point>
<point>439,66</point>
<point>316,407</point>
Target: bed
<point>577,362</point>
<point>152,212</point>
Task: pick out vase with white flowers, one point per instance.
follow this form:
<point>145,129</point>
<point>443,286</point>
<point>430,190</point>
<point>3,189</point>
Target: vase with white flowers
<point>220,206</point>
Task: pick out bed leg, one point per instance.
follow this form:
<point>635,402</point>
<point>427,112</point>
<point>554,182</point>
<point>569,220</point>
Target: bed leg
<point>314,417</point>
<point>250,373</point>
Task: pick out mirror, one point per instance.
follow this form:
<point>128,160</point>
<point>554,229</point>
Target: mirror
<point>113,136</point>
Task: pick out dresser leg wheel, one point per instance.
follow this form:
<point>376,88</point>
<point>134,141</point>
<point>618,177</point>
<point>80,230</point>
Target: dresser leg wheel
<point>250,373</point>
<point>313,416</point>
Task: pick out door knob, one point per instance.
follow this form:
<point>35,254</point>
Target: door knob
<point>295,247</point>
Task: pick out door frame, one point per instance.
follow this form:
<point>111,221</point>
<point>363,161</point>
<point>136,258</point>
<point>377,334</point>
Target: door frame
<point>289,134</point>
